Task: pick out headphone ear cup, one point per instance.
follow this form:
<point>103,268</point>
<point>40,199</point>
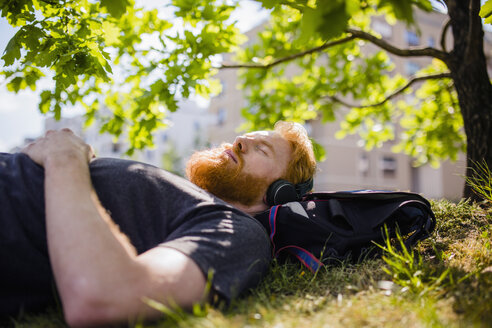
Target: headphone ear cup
<point>281,192</point>
<point>304,187</point>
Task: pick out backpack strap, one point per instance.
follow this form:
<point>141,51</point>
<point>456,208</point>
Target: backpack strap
<point>272,219</point>
<point>306,257</point>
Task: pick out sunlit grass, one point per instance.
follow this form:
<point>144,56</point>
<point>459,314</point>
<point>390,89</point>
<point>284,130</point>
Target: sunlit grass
<point>446,281</point>
<point>481,181</point>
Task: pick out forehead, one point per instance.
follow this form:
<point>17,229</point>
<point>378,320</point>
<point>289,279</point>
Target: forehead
<point>261,133</point>
<point>280,146</point>
<point>269,136</point>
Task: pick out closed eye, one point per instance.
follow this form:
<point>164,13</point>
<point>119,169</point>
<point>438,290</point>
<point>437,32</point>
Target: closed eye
<point>262,149</point>
<point>267,147</point>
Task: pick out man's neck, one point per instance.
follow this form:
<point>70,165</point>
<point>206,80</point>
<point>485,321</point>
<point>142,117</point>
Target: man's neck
<point>251,209</point>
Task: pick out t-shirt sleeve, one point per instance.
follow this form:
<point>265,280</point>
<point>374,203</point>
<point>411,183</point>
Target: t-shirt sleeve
<point>234,248</point>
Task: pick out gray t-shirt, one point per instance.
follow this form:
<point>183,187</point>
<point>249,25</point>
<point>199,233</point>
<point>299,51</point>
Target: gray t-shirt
<point>152,207</point>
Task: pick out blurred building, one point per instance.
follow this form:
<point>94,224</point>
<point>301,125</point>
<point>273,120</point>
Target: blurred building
<point>348,166</point>
<point>25,142</point>
<point>187,132</point>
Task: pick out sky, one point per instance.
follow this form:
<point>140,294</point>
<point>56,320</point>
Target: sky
<point>19,113</point>
<point>19,116</point>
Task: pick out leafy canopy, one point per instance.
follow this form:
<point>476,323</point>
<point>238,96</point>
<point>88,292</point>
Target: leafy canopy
<point>304,65</point>
<point>110,54</point>
<point>318,85</point>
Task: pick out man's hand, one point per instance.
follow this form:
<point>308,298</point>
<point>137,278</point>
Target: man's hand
<point>59,145</point>
<point>99,276</point>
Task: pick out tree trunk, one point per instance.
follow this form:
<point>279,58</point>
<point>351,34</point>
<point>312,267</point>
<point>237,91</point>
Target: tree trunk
<point>468,68</point>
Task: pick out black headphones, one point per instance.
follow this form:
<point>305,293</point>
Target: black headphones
<point>283,191</point>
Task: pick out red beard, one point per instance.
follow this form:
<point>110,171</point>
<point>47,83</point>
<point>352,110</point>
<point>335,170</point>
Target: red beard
<point>213,171</point>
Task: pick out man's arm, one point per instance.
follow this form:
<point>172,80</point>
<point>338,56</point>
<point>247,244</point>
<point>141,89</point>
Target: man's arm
<point>99,276</point>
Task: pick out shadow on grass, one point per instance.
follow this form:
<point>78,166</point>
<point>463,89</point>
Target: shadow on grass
<point>362,294</point>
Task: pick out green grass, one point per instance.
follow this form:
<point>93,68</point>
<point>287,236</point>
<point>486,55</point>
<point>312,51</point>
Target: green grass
<point>445,282</point>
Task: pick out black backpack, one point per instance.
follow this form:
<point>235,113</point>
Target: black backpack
<point>329,227</point>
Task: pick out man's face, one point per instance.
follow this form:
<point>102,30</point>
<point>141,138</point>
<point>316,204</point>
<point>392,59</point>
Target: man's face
<point>242,171</point>
<point>265,154</point>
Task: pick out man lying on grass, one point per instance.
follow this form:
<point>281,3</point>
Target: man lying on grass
<point>107,234</point>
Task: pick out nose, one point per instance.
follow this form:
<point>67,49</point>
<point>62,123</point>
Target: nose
<point>241,143</point>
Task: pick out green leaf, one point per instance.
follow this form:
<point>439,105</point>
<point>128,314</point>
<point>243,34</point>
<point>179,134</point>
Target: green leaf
<point>16,84</point>
<point>310,21</point>
<point>329,19</point>
<point>486,12</point>
<point>335,21</point>
<point>269,4</point>
<point>44,104</point>
<point>486,9</point>
<point>423,4</point>
<point>319,151</point>
<point>115,8</point>
<point>401,8</point>
<point>12,51</point>
<point>111,33</point>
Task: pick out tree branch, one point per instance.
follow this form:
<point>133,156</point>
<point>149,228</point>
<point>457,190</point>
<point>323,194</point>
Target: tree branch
<point>289,58</point>
<point>395,93</point>
<point>353,34</point>
<point>428,51</point>
<point>443,34</point>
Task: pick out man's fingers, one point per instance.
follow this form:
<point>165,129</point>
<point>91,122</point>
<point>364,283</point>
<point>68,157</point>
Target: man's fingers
<point>66,130</point>
<point>50,132</point>
<point>30,145</point>
<point>92,153</point>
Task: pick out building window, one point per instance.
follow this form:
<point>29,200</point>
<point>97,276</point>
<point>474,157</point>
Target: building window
<point>309,128</point>
<point>116,147</point>
<point>224,87</point>
<point>196,125</point>
<point>149,154</point>
<point>388,166</point>
<point>383,28</point>
<point>412,38</point>
<point>221,116</point>
<point>364,165</point>
<point>411,68</point>
<point>431,42</point>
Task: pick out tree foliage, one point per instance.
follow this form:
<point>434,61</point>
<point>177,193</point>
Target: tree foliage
<point>309,62</point>
<point>431,121</point>
<point>110,53</point>
<point>486,12</point>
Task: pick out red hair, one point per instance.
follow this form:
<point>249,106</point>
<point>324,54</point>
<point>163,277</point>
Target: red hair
<point>303,164</point>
